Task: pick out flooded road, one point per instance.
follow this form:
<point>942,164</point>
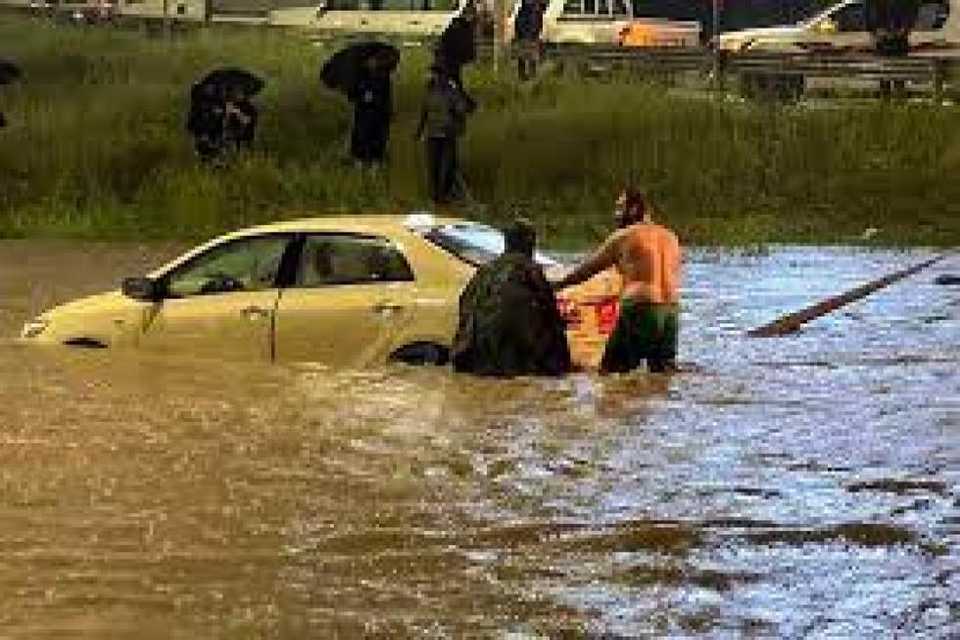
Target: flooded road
<point>797,487</point>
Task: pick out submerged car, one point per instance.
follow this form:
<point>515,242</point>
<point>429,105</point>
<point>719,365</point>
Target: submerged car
<point>350,291</point>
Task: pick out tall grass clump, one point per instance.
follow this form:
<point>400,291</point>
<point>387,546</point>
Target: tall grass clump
<point>96,146</point>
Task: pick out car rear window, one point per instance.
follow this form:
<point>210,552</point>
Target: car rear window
<point>474,243</point>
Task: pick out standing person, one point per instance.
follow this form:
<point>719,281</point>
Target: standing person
<point>443,120</point>
<point>372,110</point>
<point>509,321</point>
<point>528,27</point>
<point>647,255</point>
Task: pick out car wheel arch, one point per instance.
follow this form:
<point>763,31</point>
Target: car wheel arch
<point>85,342</point>
<point>422,352</point>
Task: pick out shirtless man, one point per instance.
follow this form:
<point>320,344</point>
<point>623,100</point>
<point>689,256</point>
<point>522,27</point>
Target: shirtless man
<point>647,255</point>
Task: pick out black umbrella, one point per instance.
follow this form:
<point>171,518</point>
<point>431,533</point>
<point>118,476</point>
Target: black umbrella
<point>226,79</point>
<point>344,68</point>
<point>8,72</point>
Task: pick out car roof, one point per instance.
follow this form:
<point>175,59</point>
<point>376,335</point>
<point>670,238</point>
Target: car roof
<point>368,223</point>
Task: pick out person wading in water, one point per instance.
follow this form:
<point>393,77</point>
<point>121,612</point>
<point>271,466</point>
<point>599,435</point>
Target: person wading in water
<point>647,255</point>
<point>509,321</point>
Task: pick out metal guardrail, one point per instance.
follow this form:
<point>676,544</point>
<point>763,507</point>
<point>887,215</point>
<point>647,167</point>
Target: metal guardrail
<point>933,71</point>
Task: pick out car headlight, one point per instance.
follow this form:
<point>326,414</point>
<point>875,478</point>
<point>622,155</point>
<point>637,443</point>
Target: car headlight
<point>34,328</point>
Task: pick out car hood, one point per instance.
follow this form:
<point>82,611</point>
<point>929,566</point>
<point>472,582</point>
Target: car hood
<point>98,303</point>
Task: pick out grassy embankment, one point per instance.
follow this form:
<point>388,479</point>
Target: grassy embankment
<point>96,148</point>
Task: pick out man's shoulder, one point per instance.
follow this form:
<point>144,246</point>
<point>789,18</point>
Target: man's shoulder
<point>651,230</point>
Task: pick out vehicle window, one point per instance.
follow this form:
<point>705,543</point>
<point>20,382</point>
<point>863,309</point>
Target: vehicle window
<point>673,9</point>
<point>391,5</point>
<point>932,16</point>
<point>619,7</point>
<point>474,243</point>
<point>345,259</point>
<point>851,18</point>
<point>249,264</point>
<point>573,8</point>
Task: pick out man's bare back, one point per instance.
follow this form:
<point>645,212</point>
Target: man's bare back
<point>649,262</point>
<point>647,255</point>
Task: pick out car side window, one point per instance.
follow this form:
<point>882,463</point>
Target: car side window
<point>852,17</point>
<point>332,259</point>
<point>247,264</point>
<point>932,16</point>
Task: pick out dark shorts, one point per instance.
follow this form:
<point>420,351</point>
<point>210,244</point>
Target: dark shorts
<point>644,332</point>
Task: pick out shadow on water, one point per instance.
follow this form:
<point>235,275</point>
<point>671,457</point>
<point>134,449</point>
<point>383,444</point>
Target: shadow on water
<point>789,488</point>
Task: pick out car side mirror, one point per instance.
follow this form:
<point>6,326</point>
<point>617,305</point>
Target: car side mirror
<point>140,288</point>
<point>827,26</point>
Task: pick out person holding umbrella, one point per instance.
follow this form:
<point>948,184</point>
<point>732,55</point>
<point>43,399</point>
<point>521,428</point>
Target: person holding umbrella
<point>222,118</point>
<point>362,73</point>
<point>372,112</point>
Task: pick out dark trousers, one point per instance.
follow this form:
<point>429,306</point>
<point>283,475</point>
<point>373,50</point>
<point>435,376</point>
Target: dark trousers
<point>442,168</point>
<point>368,140</point>
<point>527,58</point>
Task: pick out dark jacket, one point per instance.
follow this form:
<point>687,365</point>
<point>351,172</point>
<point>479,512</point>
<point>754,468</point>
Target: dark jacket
<point>372,99</point>
<point>509,322</point>
<point>445,108</point>
<point>206,118</point>
<point>240,132</point>
<point>529,22</point>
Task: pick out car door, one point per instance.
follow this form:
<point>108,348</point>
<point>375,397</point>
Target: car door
<point>221,303</point>
<point>351,298</point>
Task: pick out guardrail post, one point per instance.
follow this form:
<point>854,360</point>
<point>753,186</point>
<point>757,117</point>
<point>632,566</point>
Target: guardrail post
<point>719,70</point>
<point>939,72</point>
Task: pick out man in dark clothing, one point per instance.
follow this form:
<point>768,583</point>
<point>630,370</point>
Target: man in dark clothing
<point>442,120</point>
<point>206,122</point>
<point>528,27</point>
<point>372,111</point>
<point>509,321</point>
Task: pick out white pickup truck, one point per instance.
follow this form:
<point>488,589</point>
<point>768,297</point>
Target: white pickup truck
<point>843,26</point>
<point>610,22</point>
<point>402,17</point>
<point>564,21</point>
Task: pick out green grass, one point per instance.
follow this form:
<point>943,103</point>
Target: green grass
<point>96,147</point>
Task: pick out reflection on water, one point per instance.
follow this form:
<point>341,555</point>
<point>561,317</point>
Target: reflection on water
<point>797,487</point>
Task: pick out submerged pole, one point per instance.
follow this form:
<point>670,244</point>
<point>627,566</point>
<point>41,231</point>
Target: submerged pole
<point>792,322</point>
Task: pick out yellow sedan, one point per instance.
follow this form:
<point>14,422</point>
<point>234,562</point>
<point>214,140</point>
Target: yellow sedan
<point>348,291</point>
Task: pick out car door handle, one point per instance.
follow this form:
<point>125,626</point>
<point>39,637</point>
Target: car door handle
<point>386,308</point>
<point>254,313</point>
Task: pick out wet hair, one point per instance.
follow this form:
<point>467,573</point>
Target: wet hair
<point>635,205</point>
<point>520,237</point>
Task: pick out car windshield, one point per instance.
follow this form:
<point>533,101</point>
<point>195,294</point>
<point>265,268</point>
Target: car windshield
<point>474,243</point>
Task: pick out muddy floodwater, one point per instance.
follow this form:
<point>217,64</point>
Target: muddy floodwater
<point>802,487</point>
